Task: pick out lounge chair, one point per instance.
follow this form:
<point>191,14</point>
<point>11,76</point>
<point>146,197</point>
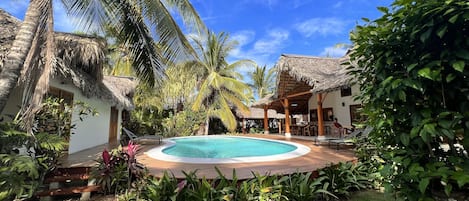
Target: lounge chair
<point>352,137</point>
<point>142,139</point>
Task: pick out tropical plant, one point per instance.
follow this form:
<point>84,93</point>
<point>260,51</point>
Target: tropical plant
<point>411,64</point>
<point>343,178</point>
<point>184,123</point>
<point>116,170</point>
<point>55,116</point>
<point>22,173</point>
<point>263,80</point>
<point>220,88</point>
<point>131,20</point>
<point>302,186</point>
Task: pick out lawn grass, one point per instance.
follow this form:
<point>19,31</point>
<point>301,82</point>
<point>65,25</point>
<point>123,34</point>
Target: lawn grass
<point>372,195</point>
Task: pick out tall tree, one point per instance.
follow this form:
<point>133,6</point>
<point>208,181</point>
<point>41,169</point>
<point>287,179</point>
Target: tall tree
<point>131,20</point>
<point>263,80</point>
<point>220,88</point>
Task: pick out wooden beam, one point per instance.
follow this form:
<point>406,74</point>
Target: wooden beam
<point>287,115</point>
<point>299,94</point>
<point>320,120</point>
<point>266,120</point>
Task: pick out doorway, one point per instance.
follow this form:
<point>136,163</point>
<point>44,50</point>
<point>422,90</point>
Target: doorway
<point>113,125</point>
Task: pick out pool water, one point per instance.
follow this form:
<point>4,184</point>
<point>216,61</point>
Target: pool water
<point>215,149</point>
<point>226,147</point>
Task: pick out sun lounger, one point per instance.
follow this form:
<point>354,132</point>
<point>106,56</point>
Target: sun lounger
<point>352,137</point>
<point>142,139</point>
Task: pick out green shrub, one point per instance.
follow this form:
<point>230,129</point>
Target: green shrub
<point>22,174</point>
<point>343,178</point>
<point>412,67</point>
<point>183,123</point>
<point>302,187</point>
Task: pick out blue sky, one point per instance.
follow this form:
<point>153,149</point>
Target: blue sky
<point>265,29</point>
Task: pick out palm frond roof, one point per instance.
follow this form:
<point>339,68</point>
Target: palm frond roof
<point>80,60</point>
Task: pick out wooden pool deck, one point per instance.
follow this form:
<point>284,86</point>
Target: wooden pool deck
<point>319,157</point>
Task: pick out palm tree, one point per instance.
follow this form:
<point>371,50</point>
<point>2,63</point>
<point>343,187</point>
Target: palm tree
<point>220,86</point>
<point>263,81</point>
<point>130,20</point>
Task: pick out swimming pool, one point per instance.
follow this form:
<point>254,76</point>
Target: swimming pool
<point>225,149</point>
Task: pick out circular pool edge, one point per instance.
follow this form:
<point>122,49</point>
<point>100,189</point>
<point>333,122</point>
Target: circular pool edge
<point>157,153</point>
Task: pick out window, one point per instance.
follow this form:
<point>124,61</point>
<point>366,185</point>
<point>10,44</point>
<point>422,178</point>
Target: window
<point>346,92</point>
<point>327,114</point>
<point>59,93</point>
<point>355,114</point>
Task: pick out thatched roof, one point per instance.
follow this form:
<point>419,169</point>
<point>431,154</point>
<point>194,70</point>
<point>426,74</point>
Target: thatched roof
<point>301,76</point>
<point>80,60</point>
<point>258,113</point>
<point>298,72</point>
<point>264,101</point>
<point>8,27</point>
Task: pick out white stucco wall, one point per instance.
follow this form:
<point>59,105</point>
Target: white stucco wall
<point>334,100</point>
<point>93,130</point>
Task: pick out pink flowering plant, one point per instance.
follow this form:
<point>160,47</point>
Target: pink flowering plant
<point>116,170</point>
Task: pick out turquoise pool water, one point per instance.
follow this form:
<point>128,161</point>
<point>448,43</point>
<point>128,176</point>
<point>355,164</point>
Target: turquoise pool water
<point>226,147</point>
<point>217,149</point>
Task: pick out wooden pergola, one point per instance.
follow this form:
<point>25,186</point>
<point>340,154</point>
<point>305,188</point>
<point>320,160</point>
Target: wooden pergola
<point>299,78</point>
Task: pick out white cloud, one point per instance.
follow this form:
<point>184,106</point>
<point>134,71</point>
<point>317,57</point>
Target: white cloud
<point>244,37</point>
<point>333,52</point>
<point>338,4</point>
<point>274,41</point>
<point>322,26</point>
<point>263,50</point>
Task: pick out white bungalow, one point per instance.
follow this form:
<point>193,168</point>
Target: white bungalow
<point>78,77</point>
<point>313,87</point>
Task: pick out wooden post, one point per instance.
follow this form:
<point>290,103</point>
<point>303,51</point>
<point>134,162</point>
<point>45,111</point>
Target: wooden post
<point>320,120</point>
<point>279,126</point>
<point>266,120</point>
<point>244,125</point>
<point>286,106</point>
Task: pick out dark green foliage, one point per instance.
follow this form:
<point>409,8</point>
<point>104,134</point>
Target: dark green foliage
<point>302,187</point>
<point>344,178</point>
<point>25,158</point>
<point>22,173</point>
<point>183,123</point>
<point>55,116</point>
<point>334,182</point>
<point>412,67</point>
<point>145,120</point>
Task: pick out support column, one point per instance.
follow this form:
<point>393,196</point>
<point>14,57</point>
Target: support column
<point>244,125</point>
<point>286,106</point>
<point>320,119</point>
<point>279,126</point>
<point>266,120</point>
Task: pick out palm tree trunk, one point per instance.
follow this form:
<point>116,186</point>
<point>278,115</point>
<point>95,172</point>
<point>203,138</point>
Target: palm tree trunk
<point>19,51</point>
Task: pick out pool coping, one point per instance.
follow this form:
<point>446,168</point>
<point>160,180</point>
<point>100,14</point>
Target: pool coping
<point>156,153</point>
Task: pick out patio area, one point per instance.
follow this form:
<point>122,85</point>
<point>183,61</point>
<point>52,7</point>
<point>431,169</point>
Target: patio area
<point>319,157</point>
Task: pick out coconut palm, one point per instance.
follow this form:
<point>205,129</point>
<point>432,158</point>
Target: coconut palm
<point>132,20</point>
<point>220,88</point>
<point>263,80</point>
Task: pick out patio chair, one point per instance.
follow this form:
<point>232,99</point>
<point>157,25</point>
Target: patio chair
<point>142,139</point>
<point>352,137</point>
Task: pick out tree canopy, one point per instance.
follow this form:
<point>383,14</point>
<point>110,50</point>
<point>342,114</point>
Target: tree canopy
<point>412,64</point>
